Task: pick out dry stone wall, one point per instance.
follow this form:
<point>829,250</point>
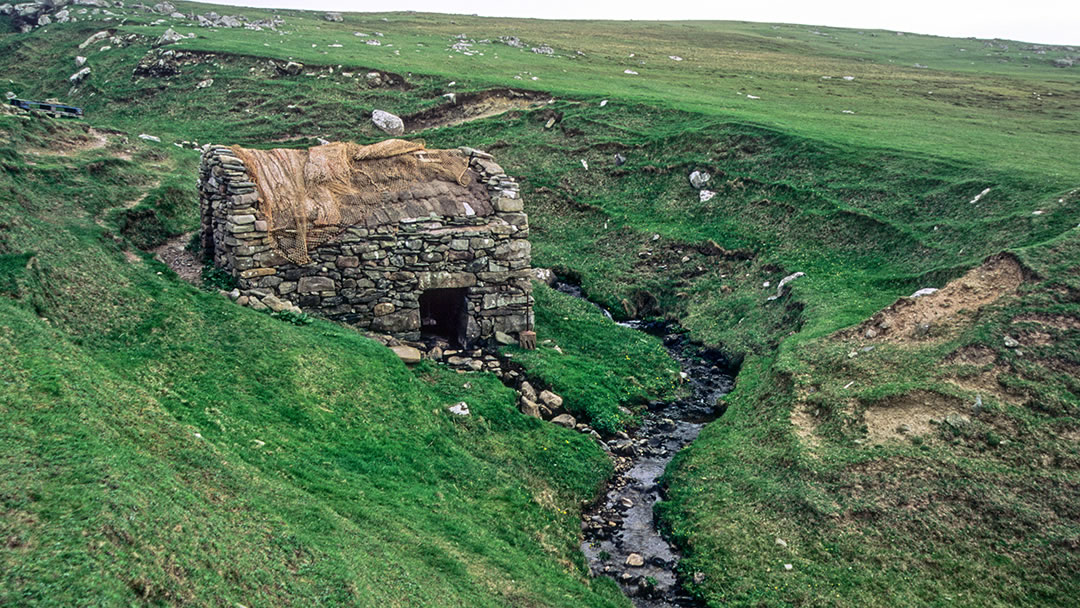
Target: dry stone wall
<point>373,276</point>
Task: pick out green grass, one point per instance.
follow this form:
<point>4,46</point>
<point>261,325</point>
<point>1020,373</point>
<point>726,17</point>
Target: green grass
<point>871,206</point>
<point>598,366</point>
<point>163,446</point>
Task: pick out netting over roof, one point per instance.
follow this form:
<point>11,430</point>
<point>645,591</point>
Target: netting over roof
<point>310,196</point>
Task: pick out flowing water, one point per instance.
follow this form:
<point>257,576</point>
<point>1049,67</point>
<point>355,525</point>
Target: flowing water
<point>621,538</point>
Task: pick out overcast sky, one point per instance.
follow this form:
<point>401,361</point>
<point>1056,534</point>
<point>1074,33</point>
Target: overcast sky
<point>1046,21</point>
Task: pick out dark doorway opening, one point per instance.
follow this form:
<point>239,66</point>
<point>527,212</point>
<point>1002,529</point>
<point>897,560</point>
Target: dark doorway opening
<point>442,313</point>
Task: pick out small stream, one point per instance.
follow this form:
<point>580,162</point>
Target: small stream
<point>621,539</point>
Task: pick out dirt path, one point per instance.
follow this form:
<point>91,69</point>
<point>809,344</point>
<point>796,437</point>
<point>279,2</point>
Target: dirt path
<point>184,263</point>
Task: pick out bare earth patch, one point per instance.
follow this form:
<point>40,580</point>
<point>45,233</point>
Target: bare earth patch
<point>183,262</point>
<point>971,355</point>
<point>986,384</point>
<point>474,106</point>
<point>1059,322</point>
<point>91,140</point>
<point>911,319</point>
<point>909,414</point>
<point>805,425</point>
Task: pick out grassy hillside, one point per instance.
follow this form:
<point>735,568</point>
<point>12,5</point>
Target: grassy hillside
<point>869,184</point>
<point>162,445</point>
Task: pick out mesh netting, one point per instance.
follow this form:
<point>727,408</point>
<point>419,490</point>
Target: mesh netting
<point>309,196</point>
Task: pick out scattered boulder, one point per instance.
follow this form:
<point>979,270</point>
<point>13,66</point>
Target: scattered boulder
<point>79,76</point>
<point>292,68</point>
<point>527,391</point>
<point>706,195</point>
<point>170,36</point>
<point>504,338</point>
<point>551,400</point>
<point>635,560</point>
<point>1011,342</point>
<point>373,79</point>
<point>407,354</point>
<point>388,123</point>
<point>164,8</point>
<point>698,179</point>
<point>565,421</point>
<point>94,39</point>
<point>620,160</point>
<point>543,275</point>
<point>334,17</point>
<point>530,408</point>
<point>460,409</point>
<point>205,83</point>
<point>925,291</point>
<point>80,61</point>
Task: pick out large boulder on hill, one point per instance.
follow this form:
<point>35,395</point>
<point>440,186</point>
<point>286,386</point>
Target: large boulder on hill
<point>390,124</point>
<point>170,36</point>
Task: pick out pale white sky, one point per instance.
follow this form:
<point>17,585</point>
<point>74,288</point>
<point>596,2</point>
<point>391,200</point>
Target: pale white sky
<point>1045,21</point>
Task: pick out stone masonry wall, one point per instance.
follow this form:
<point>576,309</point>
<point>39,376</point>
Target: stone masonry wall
<point>372,276</point>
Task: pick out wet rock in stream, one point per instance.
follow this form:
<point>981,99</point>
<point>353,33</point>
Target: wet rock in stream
<point>620,535</point>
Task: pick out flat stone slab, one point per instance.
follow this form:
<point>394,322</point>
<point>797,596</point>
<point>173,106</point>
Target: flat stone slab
<point>407,354</point>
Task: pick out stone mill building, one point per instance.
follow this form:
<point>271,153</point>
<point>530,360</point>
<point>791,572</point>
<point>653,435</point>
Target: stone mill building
<point>391,237</point>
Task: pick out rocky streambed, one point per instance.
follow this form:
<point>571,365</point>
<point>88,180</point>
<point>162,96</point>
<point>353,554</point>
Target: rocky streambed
<point>621,539</point>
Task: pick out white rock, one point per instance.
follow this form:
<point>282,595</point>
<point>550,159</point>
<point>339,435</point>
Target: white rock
<point>585,163</point>
<point>79,61</point>
<point>98,37</point>
<point>979,196</point>
<point>849,78</point>
<point>674,58</point>
<point>784,281</point>
<point>79,76</point>
<point>170,36</point>
<point>925,291</point>
<point>698,179</point>
<point>752,97</point>
<point>631,72</point>
<point>149,137</point>
<point>460,408</point>
<point>204,83</point>
<point>781,542</point>
<point>389,123</point>
<point>706,195</point>
<point>603,103</point>
<point>788,566</point>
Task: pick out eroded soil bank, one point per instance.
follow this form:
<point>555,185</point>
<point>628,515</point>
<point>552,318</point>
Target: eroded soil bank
<point>621,539</point>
